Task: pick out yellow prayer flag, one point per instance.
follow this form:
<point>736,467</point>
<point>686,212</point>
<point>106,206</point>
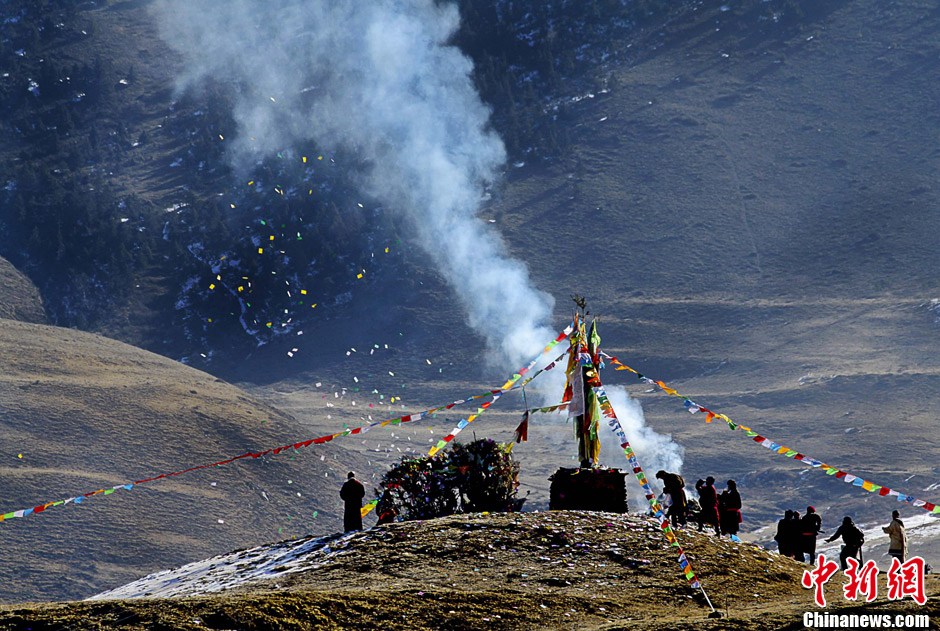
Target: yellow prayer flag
<point>667,389</point>
<point>260,250</point>
<point>303,292</point>
<point>212,286</point>
<point>305,159</point>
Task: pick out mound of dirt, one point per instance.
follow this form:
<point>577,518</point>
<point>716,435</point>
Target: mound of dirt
<point>559,569</point>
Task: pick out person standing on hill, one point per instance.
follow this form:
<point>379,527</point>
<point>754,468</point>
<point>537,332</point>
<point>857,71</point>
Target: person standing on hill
<point>853,539</point>
<point>810,526</point>
<point>674,487</point>
<point>898,536</point>
<point>730,509</point>
<point>708,499</point>
<point>352,494</point>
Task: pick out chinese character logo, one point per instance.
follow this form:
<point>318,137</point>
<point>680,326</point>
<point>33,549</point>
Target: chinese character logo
<point>904,579</point>
<point>861,581</point>
<point>907,579</point>
<point>817,577</point>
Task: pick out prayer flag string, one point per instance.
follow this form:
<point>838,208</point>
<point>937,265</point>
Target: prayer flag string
<point>509,385</point>
<point>781,449</point>
<point>408,418</point>
<point>607,409</point>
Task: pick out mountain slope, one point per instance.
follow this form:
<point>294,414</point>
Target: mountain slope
<point>79,412</point>
<point>19,298</point>
<point>755,222</point>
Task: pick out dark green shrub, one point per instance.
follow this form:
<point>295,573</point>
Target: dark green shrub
<point>479,476</point>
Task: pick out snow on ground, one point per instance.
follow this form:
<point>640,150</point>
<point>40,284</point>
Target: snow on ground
<point>923,534</point>
<point>234,569</point>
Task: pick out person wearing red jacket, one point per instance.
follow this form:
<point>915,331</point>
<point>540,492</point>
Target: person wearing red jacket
<point>708,500</point>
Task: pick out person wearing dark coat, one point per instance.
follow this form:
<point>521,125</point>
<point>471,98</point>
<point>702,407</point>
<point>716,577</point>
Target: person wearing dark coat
<point>785,535</point>
<point>674,487</point>
<point>810,526</point>
<point>852,538</point>
<point>708,499</point>
<point>730,509</point>
<point>352,494</point>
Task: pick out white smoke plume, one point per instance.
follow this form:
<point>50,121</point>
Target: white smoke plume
<point>379,79</point>
<point>654,451</point>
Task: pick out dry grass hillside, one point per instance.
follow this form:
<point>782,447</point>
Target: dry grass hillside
<point>19,298</point>
<point>79,412</point>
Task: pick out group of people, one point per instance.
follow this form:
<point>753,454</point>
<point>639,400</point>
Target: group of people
<point>796,535</point>
<point>719,511</point>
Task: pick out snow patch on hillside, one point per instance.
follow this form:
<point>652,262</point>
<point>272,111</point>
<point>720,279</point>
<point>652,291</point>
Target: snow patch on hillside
<point>235,569</point>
